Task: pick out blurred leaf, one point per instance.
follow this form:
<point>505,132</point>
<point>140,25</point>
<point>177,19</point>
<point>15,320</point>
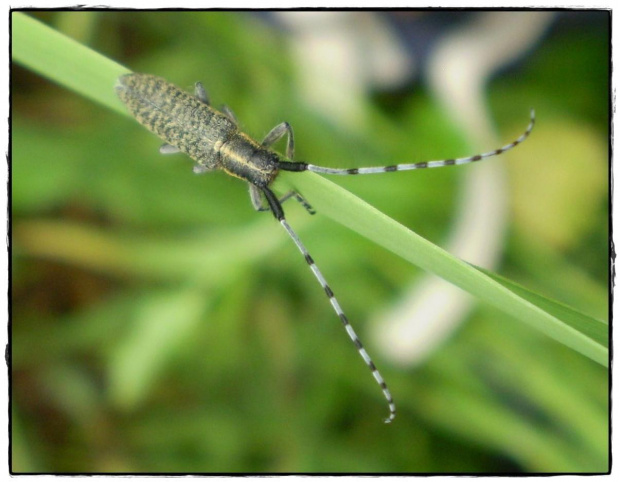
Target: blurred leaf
<point>163,322</point>
<point>546,205</point>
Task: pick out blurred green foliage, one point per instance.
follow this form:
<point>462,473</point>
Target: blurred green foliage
<point>160,325</point>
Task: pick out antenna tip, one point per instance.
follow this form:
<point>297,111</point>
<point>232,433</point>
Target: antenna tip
<point>390,418</point>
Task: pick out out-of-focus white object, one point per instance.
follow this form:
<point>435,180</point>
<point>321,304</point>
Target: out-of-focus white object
<point>339,55</point>
<point>459,69</point>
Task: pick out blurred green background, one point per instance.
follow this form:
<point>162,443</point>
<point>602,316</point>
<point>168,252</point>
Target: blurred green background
<point>160,324</point>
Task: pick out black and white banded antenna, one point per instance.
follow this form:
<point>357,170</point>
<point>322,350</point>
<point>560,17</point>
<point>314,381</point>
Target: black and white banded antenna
<point>298,166</point>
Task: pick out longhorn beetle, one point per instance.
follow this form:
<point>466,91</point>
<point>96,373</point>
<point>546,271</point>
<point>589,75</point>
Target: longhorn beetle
<point>212,138</point>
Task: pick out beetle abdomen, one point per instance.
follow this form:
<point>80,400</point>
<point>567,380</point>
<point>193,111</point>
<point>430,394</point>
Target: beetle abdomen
<point>177,117</point>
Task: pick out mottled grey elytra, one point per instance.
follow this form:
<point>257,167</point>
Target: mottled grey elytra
<point>187,123</point>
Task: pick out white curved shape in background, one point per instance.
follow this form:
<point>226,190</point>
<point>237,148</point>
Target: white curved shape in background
<point>460,67</point>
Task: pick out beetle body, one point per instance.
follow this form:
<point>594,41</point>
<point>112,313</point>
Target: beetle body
<point>191,125</point>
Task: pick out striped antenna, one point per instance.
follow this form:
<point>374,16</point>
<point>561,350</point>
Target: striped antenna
<point>421,165</point>
<point>347,326</point>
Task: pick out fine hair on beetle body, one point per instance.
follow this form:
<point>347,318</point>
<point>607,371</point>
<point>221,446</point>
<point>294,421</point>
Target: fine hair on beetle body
<point>187,123</point>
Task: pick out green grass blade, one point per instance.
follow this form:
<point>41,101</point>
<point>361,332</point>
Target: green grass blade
<point>75,66</point>
<point>65,61</point>
<point>349,210</point>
